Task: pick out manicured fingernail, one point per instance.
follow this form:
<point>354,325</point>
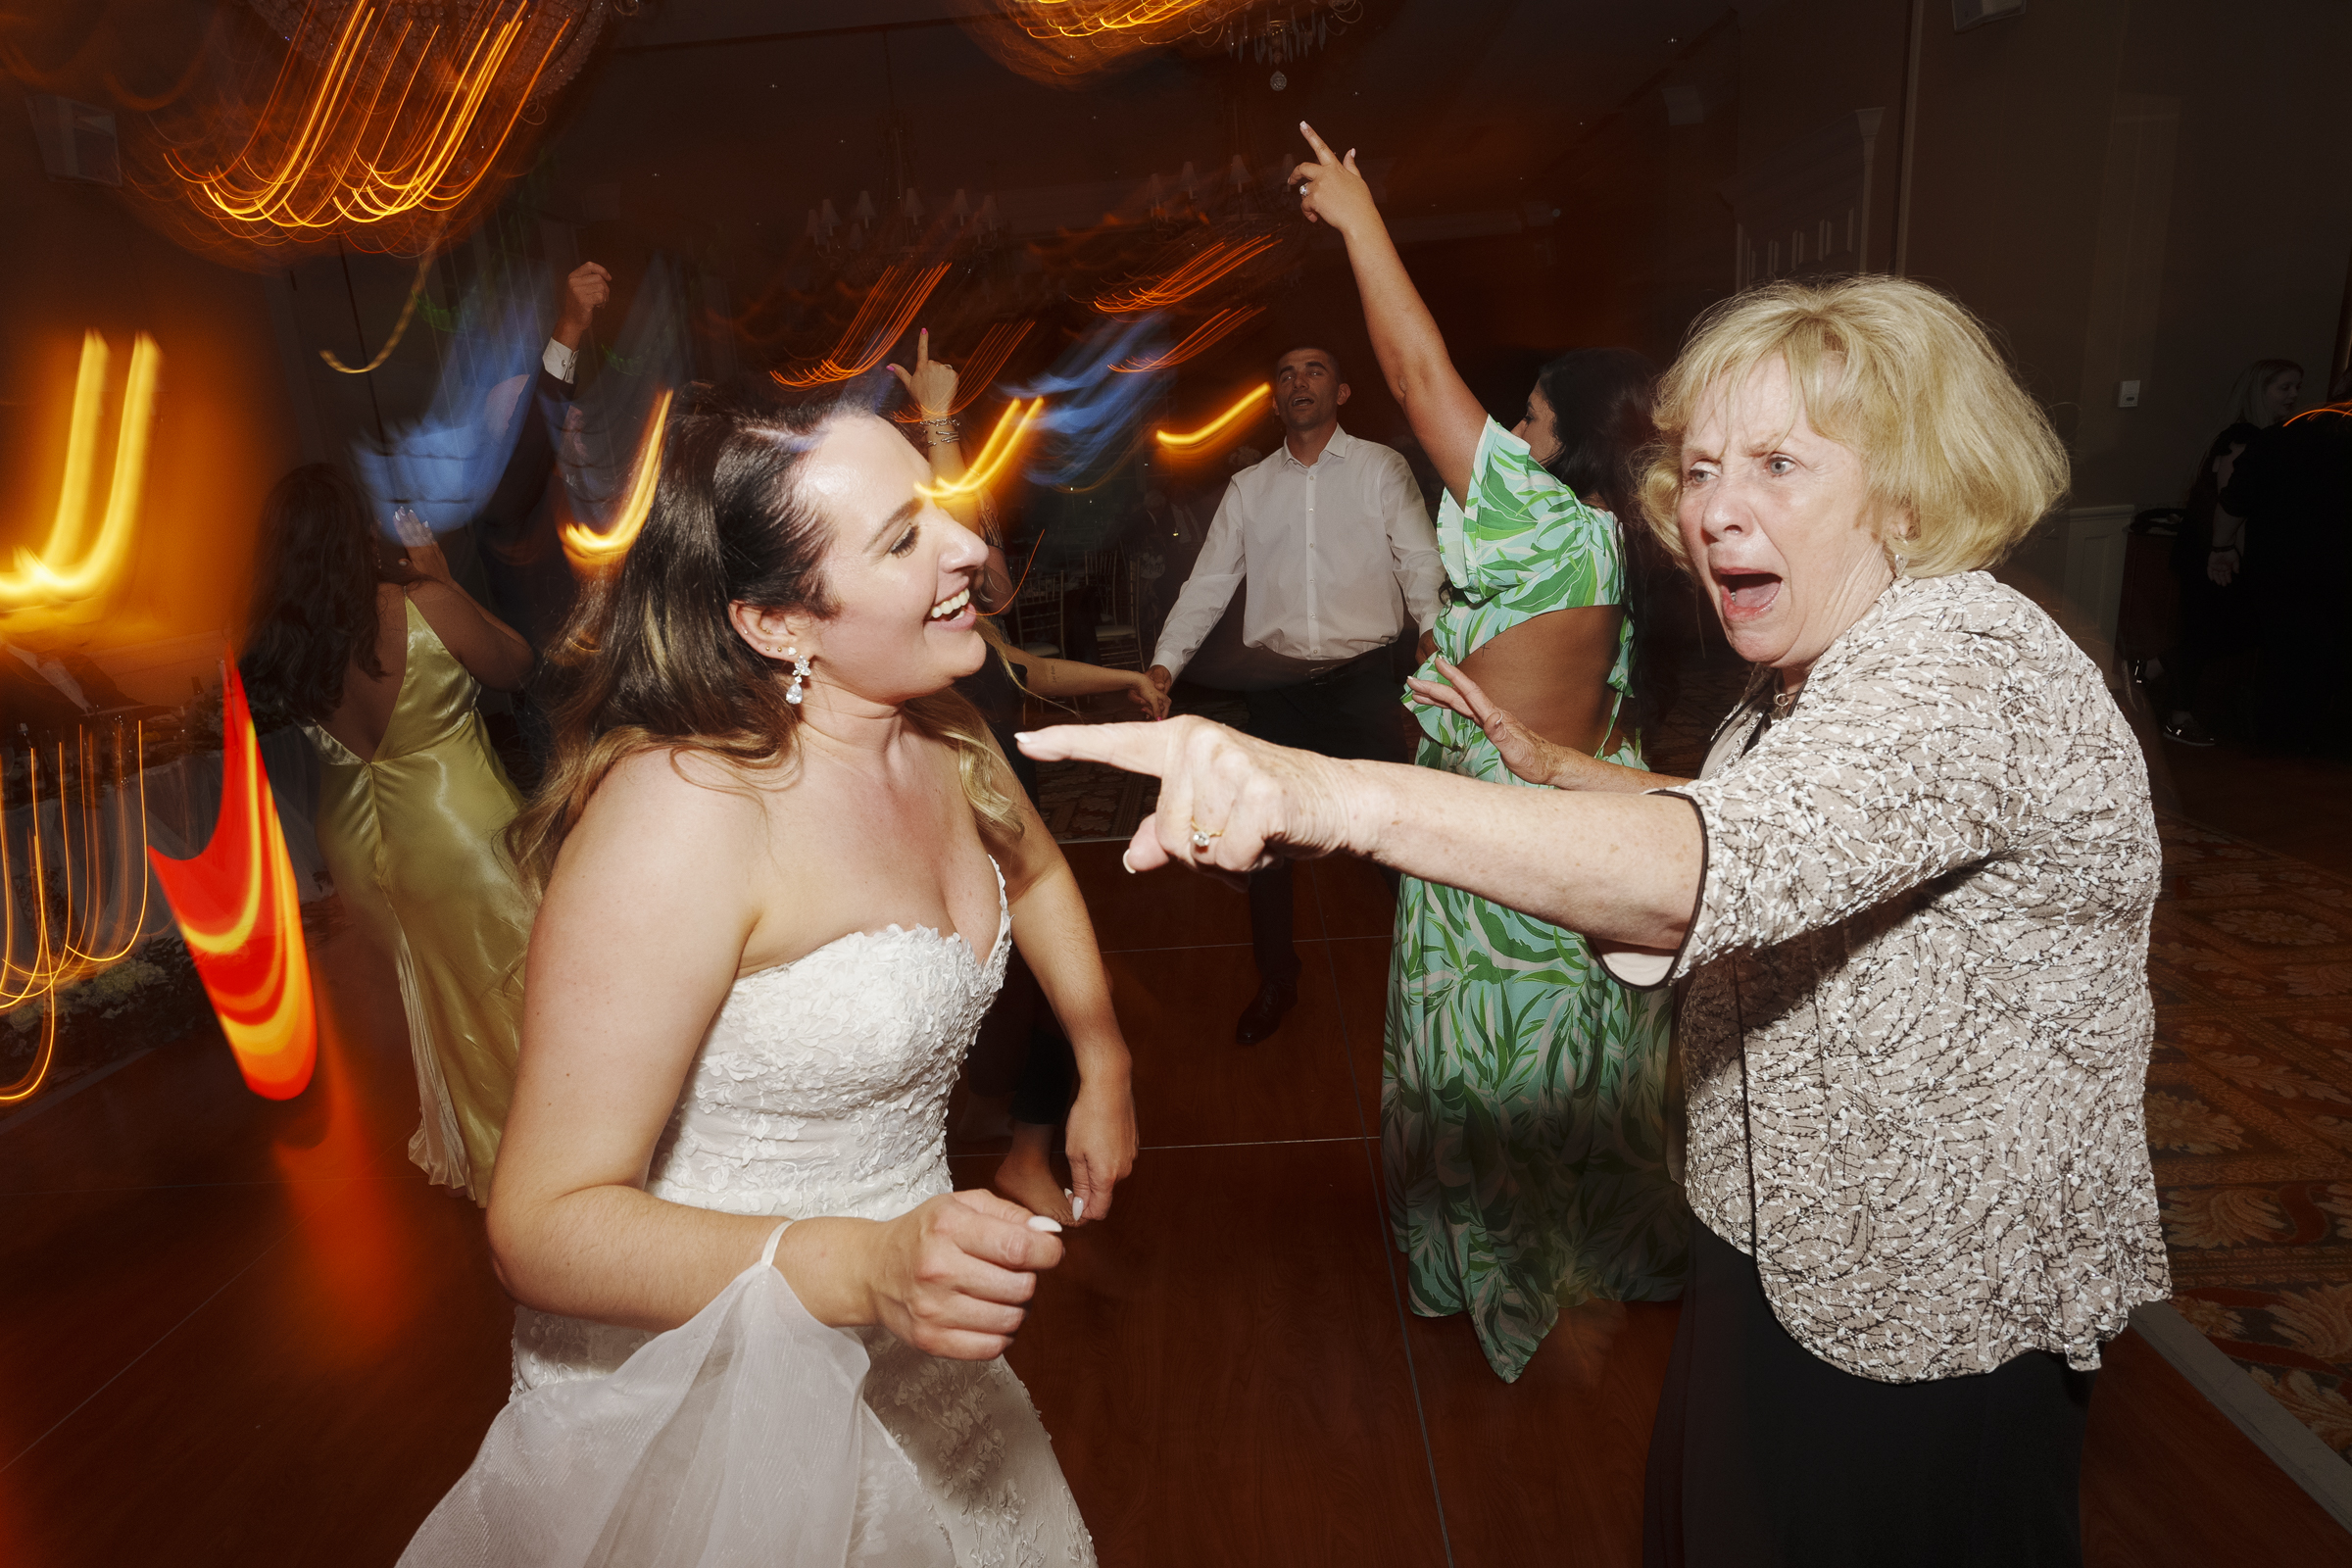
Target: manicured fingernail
<point>1044,1222</point>
<point>1077,1208</point>
<point>1123,865</point>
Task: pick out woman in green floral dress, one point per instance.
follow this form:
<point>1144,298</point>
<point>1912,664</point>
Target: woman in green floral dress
<point>1522,1093</point>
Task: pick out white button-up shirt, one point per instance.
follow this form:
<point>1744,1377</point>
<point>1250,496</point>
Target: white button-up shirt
<point>1336,555</point>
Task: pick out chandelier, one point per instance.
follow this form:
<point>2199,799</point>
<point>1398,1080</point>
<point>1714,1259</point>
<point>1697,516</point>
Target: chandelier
<point>385,122</point>
<point>1064,41</point>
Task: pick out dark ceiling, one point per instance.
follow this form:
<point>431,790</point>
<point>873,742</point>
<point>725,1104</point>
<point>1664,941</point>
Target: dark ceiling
<point>726,121</point>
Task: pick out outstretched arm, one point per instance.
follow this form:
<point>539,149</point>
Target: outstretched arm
<point>1067,677</point>
<point>1446,417</point>
<point>1621,868</point>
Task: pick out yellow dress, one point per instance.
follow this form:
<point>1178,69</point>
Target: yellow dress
<point>412,839</point>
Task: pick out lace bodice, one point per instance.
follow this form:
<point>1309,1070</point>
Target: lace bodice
<point>821,1088</point>
<point>822,1085</point>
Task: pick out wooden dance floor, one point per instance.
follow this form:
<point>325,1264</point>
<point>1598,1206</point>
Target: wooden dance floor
<point>242,1333</point>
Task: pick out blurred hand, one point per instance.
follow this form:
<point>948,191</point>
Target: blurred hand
<point>1100,1139</point>
<point>1253,802</point>
<point>2222,566</point>
<point>951,1277</point>
<point>1330,189</point>
<point>1524,752</point>
<point>1148,697</point>
<point>1427,646</point>
<point>1158,677</point>
<point>587,287</point>
<point>933,383</point>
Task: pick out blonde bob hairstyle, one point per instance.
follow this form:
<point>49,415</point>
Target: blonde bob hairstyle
<point>1961,460</point>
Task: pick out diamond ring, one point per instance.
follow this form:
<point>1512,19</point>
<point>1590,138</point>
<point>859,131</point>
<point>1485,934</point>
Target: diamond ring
<point>1202,838</point>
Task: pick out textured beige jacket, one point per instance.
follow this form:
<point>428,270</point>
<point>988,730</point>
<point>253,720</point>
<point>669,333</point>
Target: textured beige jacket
<point>1916,1019</point>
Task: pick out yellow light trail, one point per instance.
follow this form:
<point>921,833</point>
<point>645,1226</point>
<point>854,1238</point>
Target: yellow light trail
<point>882,318</point>
<point>590,551</point>
<point>1192,440</point>
<point>65,568</point>
<point>1002,443</point>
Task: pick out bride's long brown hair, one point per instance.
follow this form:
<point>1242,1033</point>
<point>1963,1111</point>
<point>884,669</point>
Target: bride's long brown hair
<point>650,661</point>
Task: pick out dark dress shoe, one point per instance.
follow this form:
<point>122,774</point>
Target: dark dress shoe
<point>1264,1013</point>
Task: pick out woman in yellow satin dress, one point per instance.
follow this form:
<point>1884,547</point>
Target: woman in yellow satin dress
<point>381,656</point>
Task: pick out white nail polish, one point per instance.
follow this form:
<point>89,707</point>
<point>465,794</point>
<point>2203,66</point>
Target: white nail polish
<point>1077,1208</point>
<point>1044,1222</point>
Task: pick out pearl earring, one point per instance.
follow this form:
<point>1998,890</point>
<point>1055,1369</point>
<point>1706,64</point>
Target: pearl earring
<point>800,676</point>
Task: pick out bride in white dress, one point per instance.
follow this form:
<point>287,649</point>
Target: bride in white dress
<point>781,864</point>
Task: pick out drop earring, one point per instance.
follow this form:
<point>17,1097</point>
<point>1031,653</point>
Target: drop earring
<point>800,676</point>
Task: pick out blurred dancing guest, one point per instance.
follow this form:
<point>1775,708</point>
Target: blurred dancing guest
<point>784,868</point>
<point>529,580</point>
<point>381,657</point>
<point>1331,543</point>
<point>1522,1092</point>
<point>1908,902</point>
<point>1022,1055</point>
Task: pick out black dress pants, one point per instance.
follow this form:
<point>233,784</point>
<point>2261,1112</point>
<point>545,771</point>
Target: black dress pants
<point>1766,1456</point>
<point>1354,712</point>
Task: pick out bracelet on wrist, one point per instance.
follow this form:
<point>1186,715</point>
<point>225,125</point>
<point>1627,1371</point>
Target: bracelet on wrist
<point>942,430</point>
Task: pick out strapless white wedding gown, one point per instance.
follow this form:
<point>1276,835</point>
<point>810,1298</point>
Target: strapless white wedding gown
<point>822,1089</point>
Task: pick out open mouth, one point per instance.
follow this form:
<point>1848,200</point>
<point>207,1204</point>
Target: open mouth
<point>953,604</point>
<point>1747,593</point>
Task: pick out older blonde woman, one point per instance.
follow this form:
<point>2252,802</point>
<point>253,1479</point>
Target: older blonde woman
<point>1908,902</point>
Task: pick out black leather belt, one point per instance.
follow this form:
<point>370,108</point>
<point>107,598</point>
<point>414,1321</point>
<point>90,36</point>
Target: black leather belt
<point>1338,672</point>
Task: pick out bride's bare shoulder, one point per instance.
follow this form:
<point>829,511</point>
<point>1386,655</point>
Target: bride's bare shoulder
<point>674,800</point>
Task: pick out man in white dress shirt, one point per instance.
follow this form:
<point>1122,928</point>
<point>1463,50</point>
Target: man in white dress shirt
<point>1331,543</point>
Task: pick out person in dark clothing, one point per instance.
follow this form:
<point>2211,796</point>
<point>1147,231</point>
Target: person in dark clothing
<point>1021,1049</point>
<point>2292,488</point>
<point>530,583</point>
<point>2212,616</point>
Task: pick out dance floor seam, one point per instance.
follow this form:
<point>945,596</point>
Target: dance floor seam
<point>151,1346</point>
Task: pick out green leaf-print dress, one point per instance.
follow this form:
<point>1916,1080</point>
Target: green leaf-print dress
<point>1523,1095</point>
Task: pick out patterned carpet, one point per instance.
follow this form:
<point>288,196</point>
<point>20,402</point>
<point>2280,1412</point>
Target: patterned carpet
<point>2250,1114</point>
<point>1084,803</point>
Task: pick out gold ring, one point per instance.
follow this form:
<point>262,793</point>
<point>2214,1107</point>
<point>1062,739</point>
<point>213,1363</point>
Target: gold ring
<point>1202,838</point>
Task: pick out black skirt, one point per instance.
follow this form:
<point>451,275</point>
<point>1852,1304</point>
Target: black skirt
<point>1766,1456</point>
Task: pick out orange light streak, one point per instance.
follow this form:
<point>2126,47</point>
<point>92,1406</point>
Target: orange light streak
<point>339,143</point>
<point>75,949</point>
<point>590,551</point>
<point>66,568</point>
<point>1201,338</point>
<point>972,377</point>
<point>1186,280</point>
<point>1188,441</point>
<point>1066,19</point>
<point>1002,443</point>
<point>237,908</point>
<point>882,318</point>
